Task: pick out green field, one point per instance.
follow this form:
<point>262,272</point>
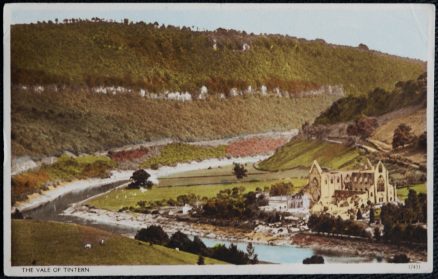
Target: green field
<point>174,153</point>
<point>120,198</point>
<point>50,243</point>
<point>402,193</point>
<point>301,153</point>
<point>225,175</point>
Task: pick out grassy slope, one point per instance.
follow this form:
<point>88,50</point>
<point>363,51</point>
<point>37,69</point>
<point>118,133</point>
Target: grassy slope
<point>301,153</point>
<point>50,123</point>
<point>184,60</point>
<point>117,199</point>
<point>50,243</point>
<point>415,118</point>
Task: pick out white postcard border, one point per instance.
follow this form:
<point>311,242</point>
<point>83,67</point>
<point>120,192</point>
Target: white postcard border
<point>211,269</point>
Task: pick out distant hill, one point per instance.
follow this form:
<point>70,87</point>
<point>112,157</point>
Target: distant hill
<point>377,102</point>
<point>61,74</point>
<point>159,58</point>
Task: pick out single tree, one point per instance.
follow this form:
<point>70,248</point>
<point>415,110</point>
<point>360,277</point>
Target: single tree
<point>359,215</point>
<point>402,136</point>
<point>239,171</point>
<point>250,251</point>
<point>422,141</point>
<point>363,127</point>
<point>153,234</point>
<point>372,216</point>
<point>377,233</point>
<point>140,179</point>
<point>201,260</point>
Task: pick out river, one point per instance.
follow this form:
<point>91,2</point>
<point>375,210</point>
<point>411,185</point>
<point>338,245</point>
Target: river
<point>53,209</point>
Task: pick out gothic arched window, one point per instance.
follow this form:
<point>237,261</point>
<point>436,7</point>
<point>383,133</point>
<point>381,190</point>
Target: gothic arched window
<point>380,184</point>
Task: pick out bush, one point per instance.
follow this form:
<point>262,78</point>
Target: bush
<point>315,259</point>
<point>400,258</point>
<point>153,234</point>
<point>281,189</point>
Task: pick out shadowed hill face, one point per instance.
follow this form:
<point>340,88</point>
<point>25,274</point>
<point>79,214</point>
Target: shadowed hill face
<point>159,58</point>
<point>377,102</point>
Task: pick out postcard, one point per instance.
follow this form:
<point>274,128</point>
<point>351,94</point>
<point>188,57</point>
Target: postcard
<point>200,139</point>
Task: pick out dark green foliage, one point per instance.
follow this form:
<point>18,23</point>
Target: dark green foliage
<point>377,233</point>
<point>230,254</point>
<point>281,189</point>
<point>400,220</point>
<point>403,135</point>
<point>372,215</point>
<point>17,214</point>
<point>359,215</point>
<point>252,256</point>
<point>239,171</point>
<point>200,260</point>
<point>400,258</point>
<point>315,259</point>
<point>140,179</point>
<point>326,223</point>
<point>422,141</point>
<point>172,58</point>
<point>362,127</point>
<point>153,234</point>
<point>183,242</point>
<point>377,102</point>
<point>232,204</point>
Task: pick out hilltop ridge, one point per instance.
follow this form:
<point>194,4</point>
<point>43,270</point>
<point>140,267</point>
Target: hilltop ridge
<point>158,58</point>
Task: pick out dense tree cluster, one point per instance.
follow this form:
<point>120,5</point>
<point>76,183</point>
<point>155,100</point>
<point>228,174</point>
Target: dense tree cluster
<point>326,223</point>
<point>362,127</point>
<point>377,102</point>
<point>230,204</point>
<point>281,189</point>
<point>156,235</point>
<point>400,220</point>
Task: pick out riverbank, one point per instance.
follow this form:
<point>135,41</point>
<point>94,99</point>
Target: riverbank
<point>356,247</point>
<point>320,244</point>
<point>37,199</point>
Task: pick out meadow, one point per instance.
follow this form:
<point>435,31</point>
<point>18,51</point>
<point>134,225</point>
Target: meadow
<point>123,197</point>
<point>50,243</point>
<point>302,153</point>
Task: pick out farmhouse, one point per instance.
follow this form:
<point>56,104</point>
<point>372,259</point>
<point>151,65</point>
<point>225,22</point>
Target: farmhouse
<point>350,189</point>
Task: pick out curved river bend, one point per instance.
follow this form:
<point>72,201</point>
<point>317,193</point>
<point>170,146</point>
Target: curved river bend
<point>274,254</point>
